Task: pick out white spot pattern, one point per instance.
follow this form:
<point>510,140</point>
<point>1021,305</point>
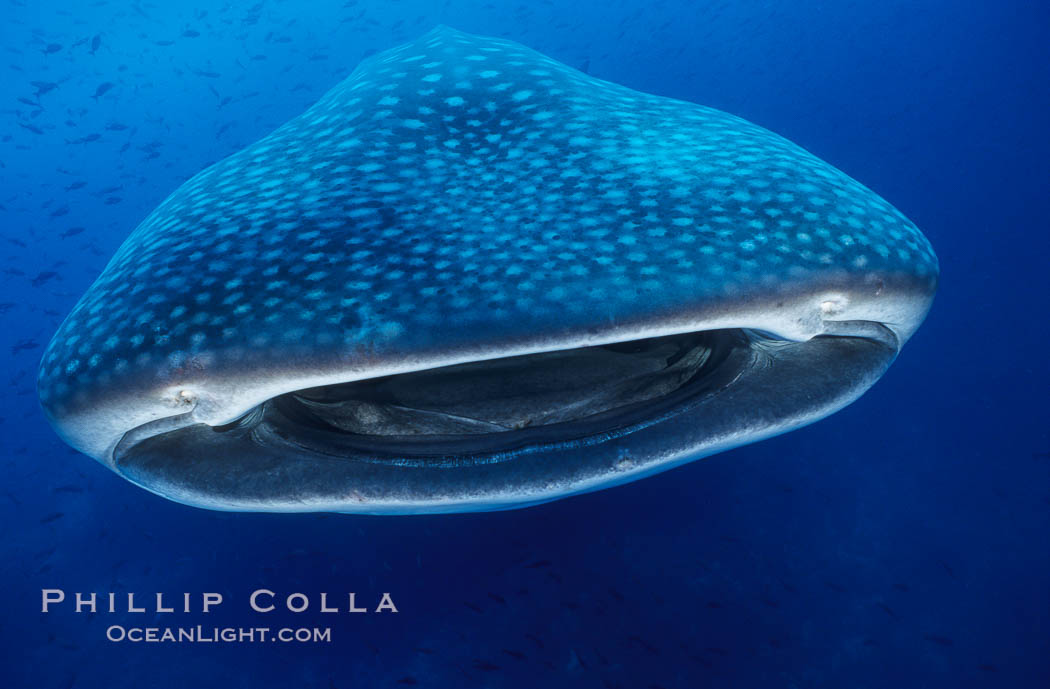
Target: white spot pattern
<point>409,206</point>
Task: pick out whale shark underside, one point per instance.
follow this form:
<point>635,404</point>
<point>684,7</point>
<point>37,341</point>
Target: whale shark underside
<point>473,278</point>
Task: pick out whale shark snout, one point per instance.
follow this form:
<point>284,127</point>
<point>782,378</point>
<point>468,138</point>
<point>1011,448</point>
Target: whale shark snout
<point>472,278</point>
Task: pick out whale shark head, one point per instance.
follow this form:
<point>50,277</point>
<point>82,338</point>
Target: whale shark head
<point>473,278</point>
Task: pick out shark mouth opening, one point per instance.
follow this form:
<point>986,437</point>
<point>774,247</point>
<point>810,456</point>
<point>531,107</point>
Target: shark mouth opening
<point>508,432</point>
<point>503,404</point>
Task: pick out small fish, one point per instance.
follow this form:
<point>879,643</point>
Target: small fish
<point>485,665</point>
<point>24,345</point>
<point>52,48</point>
<point>516,655</point>
<point>43,87</point>
<point>95,43</point>
<point>43,277</point>
<point>102,89</point>
<point>79,184</point>
<point>52,517</point>
<point>71,232</point>
<point>191,33</point>
<point>408,680</point>
<point>639,641</point>
<point>887,610</point>
<point>941,640</point>
<point>539,563</point>
<point>575,660</point>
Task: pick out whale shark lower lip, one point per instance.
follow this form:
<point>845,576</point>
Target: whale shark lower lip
<point>472,278</point>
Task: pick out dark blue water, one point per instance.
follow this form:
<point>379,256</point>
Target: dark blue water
<point>902,542</point>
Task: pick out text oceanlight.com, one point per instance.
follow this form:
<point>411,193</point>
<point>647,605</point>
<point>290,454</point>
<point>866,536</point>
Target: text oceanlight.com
<point>201,634</point>
<point>260,602</point>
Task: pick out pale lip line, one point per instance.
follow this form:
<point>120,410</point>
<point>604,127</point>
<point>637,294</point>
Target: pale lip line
<point>220,398</point>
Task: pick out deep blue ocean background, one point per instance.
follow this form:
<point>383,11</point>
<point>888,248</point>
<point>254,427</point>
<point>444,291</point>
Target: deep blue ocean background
<point>903,542</point>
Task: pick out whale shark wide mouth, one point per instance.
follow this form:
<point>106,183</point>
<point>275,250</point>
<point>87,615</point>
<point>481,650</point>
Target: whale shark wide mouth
<point>500,405</point>
<point>506,432</point>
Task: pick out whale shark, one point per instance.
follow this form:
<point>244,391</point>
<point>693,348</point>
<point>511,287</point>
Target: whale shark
<point>473,278</point>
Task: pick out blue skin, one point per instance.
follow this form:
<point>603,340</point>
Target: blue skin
<point>462,198</point>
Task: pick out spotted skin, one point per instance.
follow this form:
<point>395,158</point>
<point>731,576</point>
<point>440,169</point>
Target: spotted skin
<point>458,190</point>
